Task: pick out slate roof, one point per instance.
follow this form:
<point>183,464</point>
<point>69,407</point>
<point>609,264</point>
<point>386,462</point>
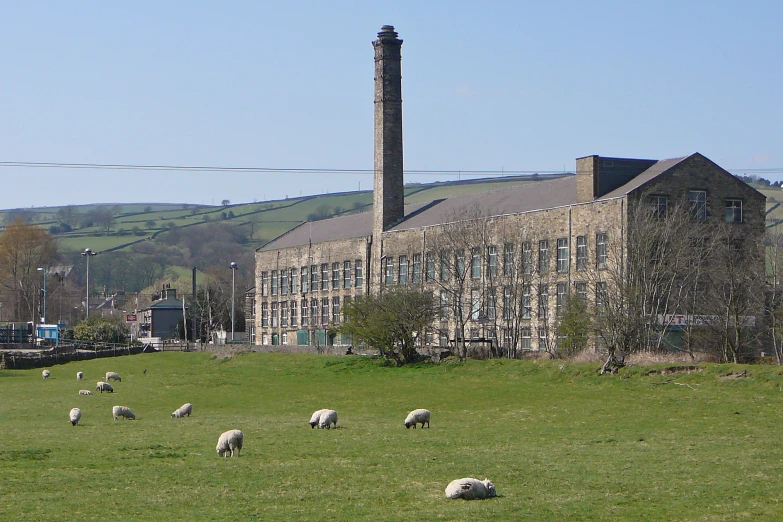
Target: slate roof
<point>166,304</point>
<point>656,170</point>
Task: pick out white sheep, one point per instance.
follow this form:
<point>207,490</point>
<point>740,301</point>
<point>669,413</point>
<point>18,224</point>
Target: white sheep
<point>104,386</point>
<point>45,374</point>
<point>75,415</point>
<point>185,409</point>
<point>328,417</point>
<point>416,416</point>
<point>85,392</point>
<point>112,375</point>
<point>230,441</point>
<point>315,417</point>
<point>122,411</point>
<point>79,376</point>
<point>470,489</point>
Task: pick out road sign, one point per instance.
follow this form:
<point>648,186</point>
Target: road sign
<point>130,318</point>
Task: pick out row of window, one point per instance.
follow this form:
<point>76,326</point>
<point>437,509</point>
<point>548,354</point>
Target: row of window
<point>305,313</point>
<point>454,265</point>
<point>697,200</point>
<point>345,275</point>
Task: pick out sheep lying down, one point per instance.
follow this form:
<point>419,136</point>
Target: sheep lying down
<point>470,489</point>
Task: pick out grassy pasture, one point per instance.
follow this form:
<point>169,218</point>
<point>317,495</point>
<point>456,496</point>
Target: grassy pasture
<point>558,441</point>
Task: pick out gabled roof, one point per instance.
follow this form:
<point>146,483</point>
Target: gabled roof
<point>654,171</point>
<point>166,304</point>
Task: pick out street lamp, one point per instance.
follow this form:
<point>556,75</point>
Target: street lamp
<point>233,267</point>
<point>88,254</point>
<point>43,318</point>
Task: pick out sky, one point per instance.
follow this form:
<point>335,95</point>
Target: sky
<point>499,86</point>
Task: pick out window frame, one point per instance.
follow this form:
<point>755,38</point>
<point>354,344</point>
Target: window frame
<point>601,250</point>
<point>563,254</point>
<point>581,252</point>
<point>698,205</point>
<point>733,210</point>
<point>543,256</point>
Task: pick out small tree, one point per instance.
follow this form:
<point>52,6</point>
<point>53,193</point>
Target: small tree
<point>102,330</point>
<point>573,328</point>
<point>391,322</point>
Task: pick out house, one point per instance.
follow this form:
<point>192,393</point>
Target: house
<point>163,319</point>
<point>502,264</point>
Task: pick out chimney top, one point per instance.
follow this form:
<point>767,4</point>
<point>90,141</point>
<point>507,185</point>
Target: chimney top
<point>387,31</point>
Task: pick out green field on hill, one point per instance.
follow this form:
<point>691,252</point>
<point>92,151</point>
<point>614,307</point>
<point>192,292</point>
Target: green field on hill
<point>558,441</point>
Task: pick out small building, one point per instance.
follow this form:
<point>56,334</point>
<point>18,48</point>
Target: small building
<point>164,318</point>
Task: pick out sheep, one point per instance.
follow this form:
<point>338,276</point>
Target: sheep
<point>185,409</point>
<point>79,376</point>
<point>316,416</point>
<point>104,386</point>
<point>327,418</point>
<point>45,374</point>
<point>470,489</point>
<point>112,375</point>
<point>417,416</point>
<point>75,415</point>
<point>85,392</point>
<point>122,411</point>
<point>230,441</point>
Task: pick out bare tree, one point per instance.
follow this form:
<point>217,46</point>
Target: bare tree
<point>774,298</point>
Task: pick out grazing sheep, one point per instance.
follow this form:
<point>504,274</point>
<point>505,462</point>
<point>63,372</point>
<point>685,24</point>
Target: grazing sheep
<point>316,417</point>
<point>328,417</point>
<point>45,374</point>
<point>104,386</point>
<point>470,489</point>
<point>230,441</point>
<point>122,411</point>
<point>185,409</point>
<point>79,376</point>
<point>417,416</point>
<point>85,392</point>
<point>112,375</point>
<point>76,414</point>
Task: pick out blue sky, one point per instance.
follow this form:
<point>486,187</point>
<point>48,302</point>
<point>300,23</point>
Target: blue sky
<point>486,86</point>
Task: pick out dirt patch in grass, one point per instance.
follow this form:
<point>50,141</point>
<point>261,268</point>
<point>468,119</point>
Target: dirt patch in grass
<point>672,370</point>
<point>733,375</point>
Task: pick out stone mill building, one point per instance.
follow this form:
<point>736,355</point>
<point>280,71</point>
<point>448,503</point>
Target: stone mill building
<point>501,263</point>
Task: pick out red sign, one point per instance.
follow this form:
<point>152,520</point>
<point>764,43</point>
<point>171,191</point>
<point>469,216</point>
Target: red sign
<point>130,318</point>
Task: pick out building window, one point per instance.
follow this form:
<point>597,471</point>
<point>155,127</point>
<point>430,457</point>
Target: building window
<point>562,255</point>
<point>527,257</point>
<point>526,307</point>
<point>335,276</point>
<point>264,314</point>
<point>560,299</point>
<point>581,290</point>
<point>304,312</point>
<point>293,313</point>
<point>284,282</point>
<point>509,303</point>
<point>403,278</point>
<point>416,268</point>
<point>346,303</point>
<point>475,305</point>
<point>313,312</point>
<point>429,262</point>
<point>305,280</point>
<point>460,265</point>
<point>445,271</point>
<point>475,263</point>
<point>335,309</point>
<point>660,206</point>
<point>543,301</point>
<point>524,338</point>
<point>443,340</point>
<point>443,310</point>
<point>358,273</point>
<point>601,249</point>
<point>294,280</point>
<point>264,284</point>
<point>508,259</point>
<point>492,261</point>
<point>314,278</point>
<point>265,339</point>
<point>284,338</point>
<point>324,276</point>
<point>581,252</point>
<point>347,275</point>
<point>492,304</point>
<point>284,314</point>
<point>274,282</point>
<point>274,315</point>
<point>600,294</point>
<point>733,211</point>
<point>542,338</point>
<point>389,271</point>
<point>698,201</point>
<point>543,256</point>
<point>324,310</point>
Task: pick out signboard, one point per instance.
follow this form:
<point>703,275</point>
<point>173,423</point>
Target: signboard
<point>130,318</point>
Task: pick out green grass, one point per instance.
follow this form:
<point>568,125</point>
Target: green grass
<point>558,443</point>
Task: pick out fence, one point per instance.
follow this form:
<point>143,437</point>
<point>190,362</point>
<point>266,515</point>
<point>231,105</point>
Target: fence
<point>65,354</point>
